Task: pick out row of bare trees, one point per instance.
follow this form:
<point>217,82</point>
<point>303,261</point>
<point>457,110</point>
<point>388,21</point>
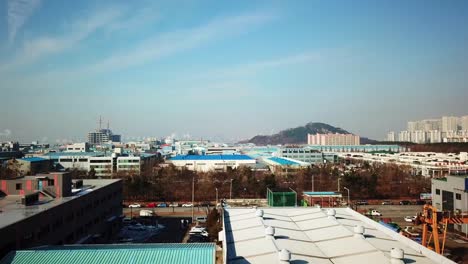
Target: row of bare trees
<point>379,181</point>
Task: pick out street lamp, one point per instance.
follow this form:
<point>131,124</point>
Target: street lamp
<point>193,195</point>
<point>348,194</point>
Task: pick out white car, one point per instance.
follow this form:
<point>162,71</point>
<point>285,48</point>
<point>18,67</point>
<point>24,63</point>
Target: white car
<point>146,213</point>
<point>375,213</point>
<point>187,205</point>
<point>197,230</point>
<point>410,219</point>
<point>135,205</point>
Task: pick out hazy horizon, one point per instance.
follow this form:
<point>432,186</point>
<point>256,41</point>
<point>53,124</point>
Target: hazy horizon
<point>228,70</point>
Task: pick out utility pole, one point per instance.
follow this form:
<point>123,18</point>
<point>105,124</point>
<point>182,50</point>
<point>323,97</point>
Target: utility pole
<point>216,202</point>
<point>339,179</point>
<point>312,178</point>
<point>230,191</point>
<point>193,195</point>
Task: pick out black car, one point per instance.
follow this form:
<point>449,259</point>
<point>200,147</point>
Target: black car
<point>405,202</point>
<point>198,239</point>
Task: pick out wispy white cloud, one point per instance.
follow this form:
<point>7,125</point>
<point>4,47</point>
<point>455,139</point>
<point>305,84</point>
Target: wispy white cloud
<point>250,68</point>
<point>18,12</point>
<point>44,46</point>
<point>173,42</point>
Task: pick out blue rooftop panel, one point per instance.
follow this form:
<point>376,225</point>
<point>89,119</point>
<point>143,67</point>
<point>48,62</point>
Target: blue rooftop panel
<point>283,162</point>
<point>33,159</point>
<point>137,253</point>
<point>212,157</point>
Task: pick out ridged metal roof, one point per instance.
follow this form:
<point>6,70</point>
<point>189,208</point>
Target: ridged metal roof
<point>197,253</point>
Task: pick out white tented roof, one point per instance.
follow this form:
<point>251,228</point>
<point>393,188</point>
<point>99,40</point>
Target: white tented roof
<point>315,235</point>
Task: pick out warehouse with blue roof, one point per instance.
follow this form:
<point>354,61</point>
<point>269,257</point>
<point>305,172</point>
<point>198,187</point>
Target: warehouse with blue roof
<point>196,253</point>
<point>206,163</point>
<point>31,166</point>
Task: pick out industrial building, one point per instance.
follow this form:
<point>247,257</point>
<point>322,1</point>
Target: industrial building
<point>307,154</point>
<point>51,209</point>
<point>211,162</point>
<point>103,164</point>
<point>31,166</point>
<point>451,194</point>
<point>428,164</point>
<point>77,147</point>
<point>315,235</point>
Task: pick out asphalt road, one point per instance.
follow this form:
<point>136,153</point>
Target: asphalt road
<point>179,211</point>
<point>395,212</point>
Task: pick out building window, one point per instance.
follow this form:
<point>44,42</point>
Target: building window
<point>438,191</point>
<point>50,182</point>
<point>19,186</point>
<point>458,196</point>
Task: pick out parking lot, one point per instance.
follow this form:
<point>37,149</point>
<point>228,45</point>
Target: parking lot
<point>456,246</point>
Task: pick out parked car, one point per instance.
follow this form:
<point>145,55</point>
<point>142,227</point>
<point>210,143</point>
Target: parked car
<point>174,205</point>
<point>405,202</point>
<point>135,205</point>
<point>200,219</point>
<point>206,204</point>
<point>387,202</point>
<point>362,202</point>
<point>420,202</point>
<point>162,205</point>
<point>411,231</point>
<point>187,205</point>
<point>375,213</point>
<point>410,219</point>
<point>197,239</point>
<point>151,205</point>
<point>197,229</point>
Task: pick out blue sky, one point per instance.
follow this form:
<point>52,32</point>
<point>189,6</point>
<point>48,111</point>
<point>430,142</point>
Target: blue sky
<point>228,69</point>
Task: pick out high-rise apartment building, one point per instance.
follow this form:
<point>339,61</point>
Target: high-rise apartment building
<point>449,123</point>
<point>404,136</point>
<point>391,136</point>
<point>333,139</point>
<point>464,123</point>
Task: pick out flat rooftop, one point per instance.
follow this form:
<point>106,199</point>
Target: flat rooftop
<point>212,157</point>
<point>315,235</point>
<point>13,211</point>
<point>196,253</point>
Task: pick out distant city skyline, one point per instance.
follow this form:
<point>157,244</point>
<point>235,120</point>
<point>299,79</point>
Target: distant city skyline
<point>227,70</point>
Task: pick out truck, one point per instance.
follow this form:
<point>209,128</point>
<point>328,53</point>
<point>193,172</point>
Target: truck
<point>146,213</point>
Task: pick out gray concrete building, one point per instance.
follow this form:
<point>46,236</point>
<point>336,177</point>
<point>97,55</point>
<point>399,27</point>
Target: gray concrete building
<point>451,194</point>
<point>51,209</point>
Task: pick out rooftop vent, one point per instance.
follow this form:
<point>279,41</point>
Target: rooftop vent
<point>270,232</point>
<point>359,231</point>
<point>397,255</point>
<point>30,199</point>
<point>284,256</point>
<point>331,214</point>
<point>259,213</point>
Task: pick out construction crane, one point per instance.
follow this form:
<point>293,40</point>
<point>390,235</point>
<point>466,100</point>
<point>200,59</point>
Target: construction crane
<point>430,220</point>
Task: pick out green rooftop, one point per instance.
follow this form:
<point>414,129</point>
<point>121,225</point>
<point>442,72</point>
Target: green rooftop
<point>196,253</point>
